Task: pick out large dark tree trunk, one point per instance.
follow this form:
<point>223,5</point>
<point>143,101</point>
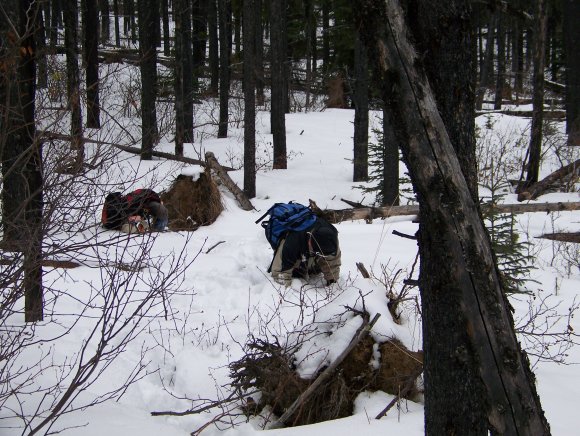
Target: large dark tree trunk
<point>105,11</point>
<point>148,65</point>
<point>390,159</point>
<point>41,47</point>
<point>259,64</point>
<point>70,14</point>
<point>214,59</point>
<point>91,53</point>
<point>517,58</point>
<point>165,21</point>
<point>535,148</point>
<point>501,62</point>
<point>33,292</point>
<point>486,68</point>
<point>55,22</point>
<point>325,36</point>
<point>279,95</point>
<point>224,70</point>
<point>20,150</point>
<point>116,16</point>
<point>361,113</point>
<point>451,70</point>
<point>249,39</point>
<point>572,58</point>
<point>183,75</point>
<point>476,376</point>
<point>199,39</point>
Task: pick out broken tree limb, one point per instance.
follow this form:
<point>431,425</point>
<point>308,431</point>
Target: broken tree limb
<point>128,149</point>
<point>360,334</point>
<point>537,189</point>
<point>549,115</point>
<point>367,213</point>
<point>562,237</point>
<point>213,163</point>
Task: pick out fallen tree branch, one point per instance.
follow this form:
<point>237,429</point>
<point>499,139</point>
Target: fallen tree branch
<point>360,266</point>
<point>243,201</point>
<point>360,334</point>
<point>128,149</point>
<point>367,213</point>
<point>549,115</point>
<point>534,191</point>
<point>214,246</point>
<point>562,237</point>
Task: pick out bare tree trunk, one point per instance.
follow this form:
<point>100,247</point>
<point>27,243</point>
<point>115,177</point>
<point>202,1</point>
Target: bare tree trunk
<point>249,15</point>
<point>91,47</point>
<point>41,47</point>
<point>572,58</point>
<point>390,158</point>
<point>487,62</point>
<point>117,30</point>
<point>535,148</point>
<point>70,14</point>
<point>465,288</point>
<point>501,61</point>
<point>183,75</point>
<point>165,21</point>
<point>361,113</point>
<point>105,21</point>
<point>20,150</point>
<point>279,95</point>
<point>225,27</point>
<point>260,96</point>
<point>198,39</point>
<point>214,62</point>
<point>148,66</point>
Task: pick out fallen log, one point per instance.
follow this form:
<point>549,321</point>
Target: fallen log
<point>243,201</point>
<point>534,191</point>
<point>128,149</point>
<point>549,115</point>
<point>369,213</point>
<point>562,237</point>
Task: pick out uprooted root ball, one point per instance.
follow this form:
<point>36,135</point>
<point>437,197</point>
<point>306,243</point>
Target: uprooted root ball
<point>270,369</point>
<point>192,203</point>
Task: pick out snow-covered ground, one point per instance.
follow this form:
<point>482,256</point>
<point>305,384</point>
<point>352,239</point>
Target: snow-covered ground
<point>225,295</point>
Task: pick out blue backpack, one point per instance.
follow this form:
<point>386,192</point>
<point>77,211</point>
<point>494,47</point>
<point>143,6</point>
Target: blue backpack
<point>284,218</point>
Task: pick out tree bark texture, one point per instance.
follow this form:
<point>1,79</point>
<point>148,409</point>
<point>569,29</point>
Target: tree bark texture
<point>370,213</point>
<point>467,325</point>
<point>165,22</point>
<point>361,113</point>
<point>249,15</point>
<point>198,39</point>
<point>70,15</point>
<point>259,44</point>
<point>183,75</point>
<point>213,163</point>
<point>148,66</point>
<point>105,11</point>
<point>279,93</point>
<point>214,62</point>
<point>225,29</point>
<point>572,57</point>
<point>450,66</point>
<point>91,47</point>
<point>390,160</point>
<point>535,147</point>
<point>20,150</point>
